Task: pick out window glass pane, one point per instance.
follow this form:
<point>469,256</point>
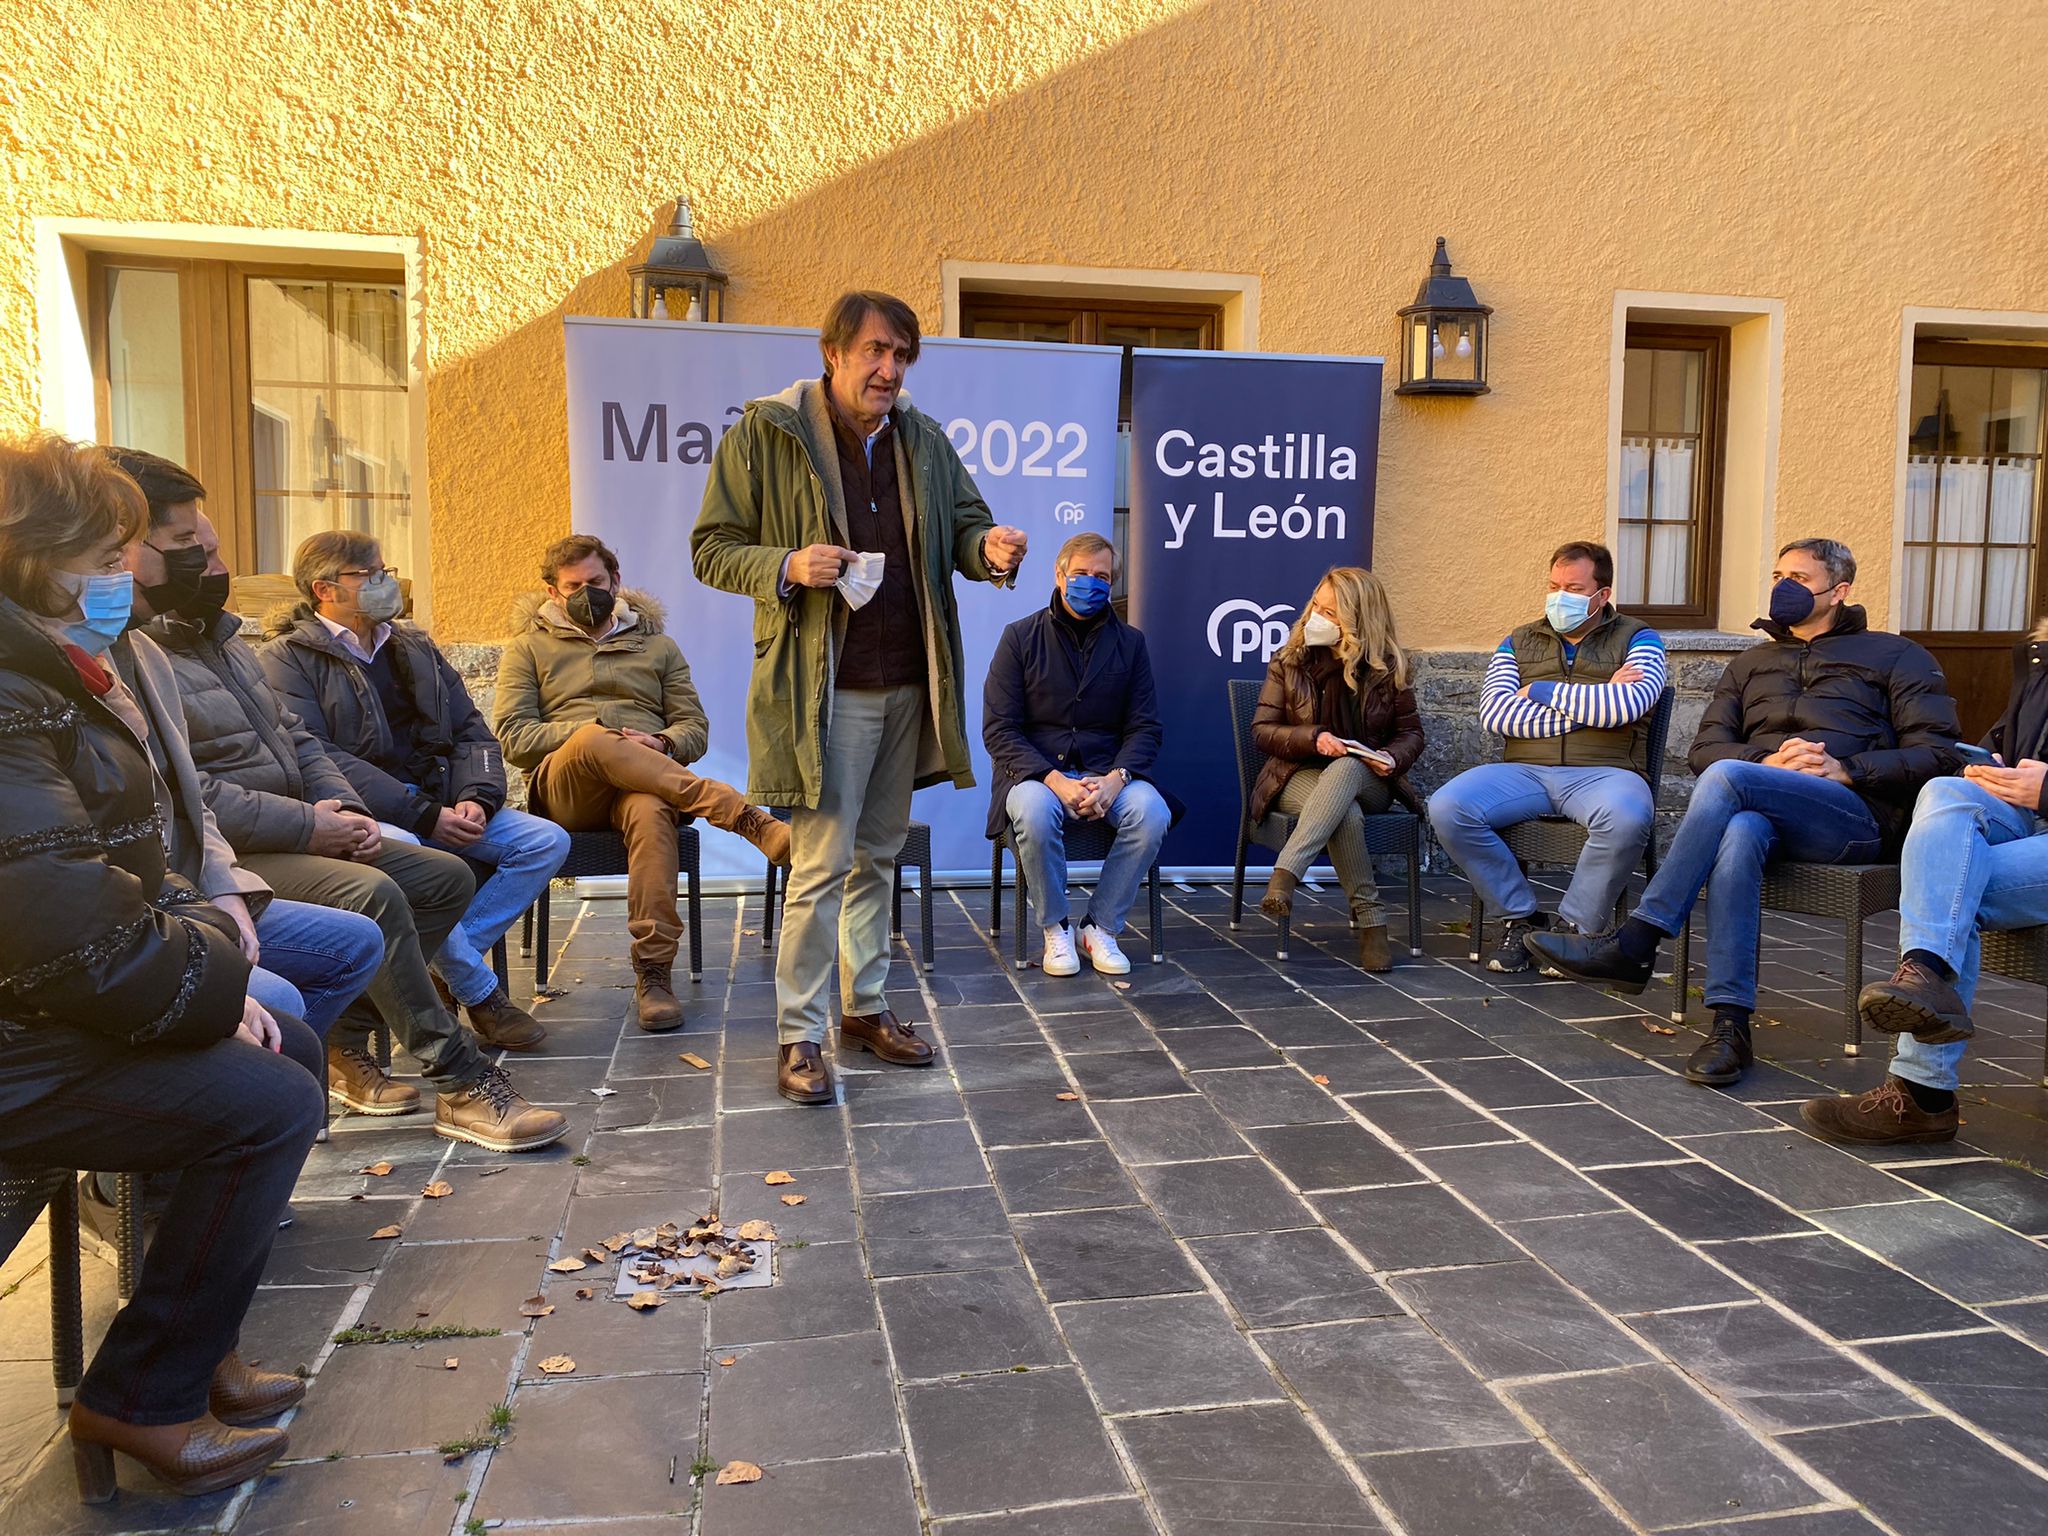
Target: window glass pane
<point>1920,474</point>
<point>1629,586</point>
<point>1914,608</point>
<point>1675,391</point>
<point>1180,337</point>
<point>1635,480</point>
<point>2012,501</point>
<point>1958,576</point>
<point>1967,400</point>
<point>287,330</point>
<point>292,438</point>
<point>371,441</point>
<point>2016,410</point>
<point>369,325</point>
<point>1670,563</point>
<point>1018,330</point>
<point>1672,481</point>
<point>1635,391</point>
<point>1924,421</point>
<point>145,362</point>
<point>2005,589</point>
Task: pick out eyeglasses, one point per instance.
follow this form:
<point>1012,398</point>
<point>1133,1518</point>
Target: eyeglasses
<point>382,570</point>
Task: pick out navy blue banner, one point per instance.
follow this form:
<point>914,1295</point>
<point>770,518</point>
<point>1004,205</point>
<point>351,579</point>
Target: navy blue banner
<point>1250,476</point>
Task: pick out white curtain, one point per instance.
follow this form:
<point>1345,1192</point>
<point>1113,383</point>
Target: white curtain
<point>1635,510</point>
<point>1959,519</point>
<point>1920,472</point>
<point>1671,522</point>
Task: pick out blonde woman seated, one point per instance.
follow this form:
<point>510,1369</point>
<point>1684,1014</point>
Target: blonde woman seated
<point>1337,722</point>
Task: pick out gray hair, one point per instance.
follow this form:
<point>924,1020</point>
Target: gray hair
<point>1832,553</point>
<point>324,556</point>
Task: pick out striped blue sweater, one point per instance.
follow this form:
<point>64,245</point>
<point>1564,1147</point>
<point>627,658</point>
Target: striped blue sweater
<point>1555,709</point>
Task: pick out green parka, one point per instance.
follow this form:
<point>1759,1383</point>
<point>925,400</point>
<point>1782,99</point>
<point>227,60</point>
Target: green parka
<point>775,488</point>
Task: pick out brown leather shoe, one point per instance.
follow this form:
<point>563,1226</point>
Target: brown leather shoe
<point>1881,1117</point>
<point>490,1113</point>
<point>1278,902</point>
<point>503,1024</point>
<point>654,994</point>
<point>801,1075</point>
<point>354,1078</point>
<point>886,1036</point>
<point>1373,951</point>
<point>241,1396</point>
<point>199,1456</point>
<point>765,833</point>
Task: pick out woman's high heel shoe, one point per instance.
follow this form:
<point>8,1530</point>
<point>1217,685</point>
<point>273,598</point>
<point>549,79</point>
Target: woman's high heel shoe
<point>1278,902</point>
<point>199,1456</point>
<point>241,1396</point>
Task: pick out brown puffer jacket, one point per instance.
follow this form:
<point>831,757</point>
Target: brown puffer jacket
<point>1301,699</point>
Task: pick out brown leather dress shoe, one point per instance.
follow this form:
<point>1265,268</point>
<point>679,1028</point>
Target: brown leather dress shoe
<point>885,1035</point>
<point>801,1075</point>
<point>1885,1116</point>
<point>200,1456</point>
<point>242,1396</point>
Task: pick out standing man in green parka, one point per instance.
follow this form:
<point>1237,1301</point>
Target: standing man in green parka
<point>843,512</point>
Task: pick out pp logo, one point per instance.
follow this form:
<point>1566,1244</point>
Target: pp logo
<point>1069,512</point>
<point>1260,632</point>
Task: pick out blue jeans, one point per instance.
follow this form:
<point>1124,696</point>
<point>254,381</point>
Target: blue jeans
<point>326,954</point>
<point>522,853</point>
<point>1971,862</point>
<point>1743,815</point>
<point>1038,823</point>
<point>1612,804</point>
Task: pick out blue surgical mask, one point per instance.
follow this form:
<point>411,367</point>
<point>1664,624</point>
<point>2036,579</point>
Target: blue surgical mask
<point>106,600</point>
<point>1567,610</point>
<point>1086,595</point>
<point>1792,602</point>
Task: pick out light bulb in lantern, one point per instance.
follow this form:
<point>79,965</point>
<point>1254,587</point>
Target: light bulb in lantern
<point>695,311</point>
<point>660,309</point>
<point>1464,347</point>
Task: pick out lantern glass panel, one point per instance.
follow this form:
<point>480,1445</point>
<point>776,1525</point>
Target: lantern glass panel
<point>1418,348</point>
<point>1454,349</point>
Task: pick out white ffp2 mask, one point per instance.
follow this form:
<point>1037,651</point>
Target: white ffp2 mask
<point>860,580</point>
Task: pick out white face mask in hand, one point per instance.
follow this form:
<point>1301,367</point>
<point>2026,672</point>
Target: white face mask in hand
<point>860,580</point>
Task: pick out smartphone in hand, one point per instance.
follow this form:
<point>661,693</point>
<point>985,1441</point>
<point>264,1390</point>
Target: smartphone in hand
<point>1974,756</point>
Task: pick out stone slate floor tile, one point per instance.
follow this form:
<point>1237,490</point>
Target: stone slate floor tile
<point>1505,1082</point>
<point>1175,1130</point>
<point>1493,1490</point>
<point>886,1096</point>
<point>1279,1278</point>
<point>901,1159</point>
<point>660,1103</point>
<point>957,1324</point>
<point>1819,1522</point>
<point>1991,1379</point>
<point>804,1401</point>
<point>826,1216</point>
<point>1427,1119</point>
<point>2013,1196</point>
<point>990,1024</point>
<point>1516,1181</point>
<point>1258,1096</point>
<point>1698,1203</point>
<point>1158,1352</point>
<point>989,1443</point>
<point>1237,1194</point>
<point>45,1500</point>
<point>379,1496</point>
<point>1094,1255</point>
<point>1229,1045</point>
<point>1929,1476</point>
<point>1579,1058</point>
<point>626,1162</point>
<point>868,1494</point>
<point>1665,1453</point>
<point>399,1397</point>
<point>773,1138</point>
<point>1587,1135</point>
<point>1841,1290</point>
<point>1183,1010</point>
<point>1027,1117</point>
<point>1146,1074</point>
<point>1362,1068</point>
<point>890,1257</point>
<point>517,1197</point>
<point>1343,1155</point>
<point>593,1218</point>
<point>647,1420</point>
<point>608,1338</point>
<point>2029,1319</point>
<point>1074,1176</point>
<point>1515,1320</point>
<point>1237,1469</point>
<point>983,1067</point>
<point>940,1215</point>
<point>1420,1396</point>
<point>1624,1264</point>
<point>1107,1517</point>
<point>329,1243</point>
<point>460,1285</point>
<point>1805,1173</point>
<point>1952,1249</point>
<point>1671,1106</point>
<point>1433,1038</point>
<point>817,1292</point>
<point>1301,1024</point>
<point>283,1329</point>
<point>1085,1034</point>
<point>1414,1226</point>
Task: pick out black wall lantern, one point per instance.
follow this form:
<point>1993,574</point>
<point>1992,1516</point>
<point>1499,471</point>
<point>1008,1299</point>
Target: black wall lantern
<point>678,281</point>
<point>1443,335</point>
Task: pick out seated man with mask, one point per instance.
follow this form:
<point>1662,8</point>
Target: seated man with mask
<point>1812,749</point>
<point>1072,729</point>
<point>595,702</point>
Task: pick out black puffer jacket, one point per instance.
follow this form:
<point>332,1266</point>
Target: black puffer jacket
<point>1875,700</point>
<point>98,936</point>
<point>2022,731</point>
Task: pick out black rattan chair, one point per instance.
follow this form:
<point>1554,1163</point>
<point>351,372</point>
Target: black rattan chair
<point>604,853</point>
<point>1390,833</point>
<point>24,1194</point>
<point>2022,954</point>
<point>1558,840</point>
<point>1085,840</point>
<point>917,854</point>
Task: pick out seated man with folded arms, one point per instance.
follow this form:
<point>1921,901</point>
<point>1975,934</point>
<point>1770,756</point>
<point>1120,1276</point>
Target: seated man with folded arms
<point>1811,750</point>
<point>1975,860</point>
<point>1572,693</point>
<point>296,821</point>
<point>595,702</point>
<point>1072,729</point>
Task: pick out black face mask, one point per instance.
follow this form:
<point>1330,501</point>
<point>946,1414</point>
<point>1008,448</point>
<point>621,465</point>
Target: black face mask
<point>207,603</point>
<point>184,570</point>
<point>591,606</point>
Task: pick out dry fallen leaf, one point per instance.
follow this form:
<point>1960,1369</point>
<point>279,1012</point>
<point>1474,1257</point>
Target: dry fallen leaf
<point>376,1170</point>
<point>596,1255</point>
<point>384,1232</point>
<point>711,1288</point>
<point>793,1199</point>
<point>757,1232</point>
<point>1121,986</point>
<point>584,1293</point>
<point>695,1060</point>
<point>645,1301</point>
<point>739,1472</point>
<point>1658,1029</point>
<point>568,1266</point>
<point>730,1360</point>
<point>732,1264</point>
<point>450,1363</point>
<point>439,1189</point>
<point>1066,1098</point>
<point>780,1176</point>
<point>534,1306</point>
<point>617,1241</point>
<point>1320,1080</point>
<point>557,1365</point>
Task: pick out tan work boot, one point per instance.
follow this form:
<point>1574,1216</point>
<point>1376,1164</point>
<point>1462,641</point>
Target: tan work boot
<point>501,1023</point>
<point>354,1077</point>
<point>654,994</point>
<point>765,833</point>
<point>490,1113</point>
<point>1374,953</point>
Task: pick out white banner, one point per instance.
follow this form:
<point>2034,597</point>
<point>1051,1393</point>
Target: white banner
<point>649,399</point>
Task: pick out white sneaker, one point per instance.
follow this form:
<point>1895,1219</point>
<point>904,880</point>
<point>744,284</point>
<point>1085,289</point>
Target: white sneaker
<point>1102,951</point>
<point>1060,959</point>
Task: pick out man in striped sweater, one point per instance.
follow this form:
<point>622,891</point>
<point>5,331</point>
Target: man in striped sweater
<point>1572,694</point>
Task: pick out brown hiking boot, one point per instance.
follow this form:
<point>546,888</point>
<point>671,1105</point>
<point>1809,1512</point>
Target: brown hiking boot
<point>1884,1116</point>
<point>1916,1002</point>
<point>503,1024</point>
<point>801,1075</point>
<point>655,995</point>
<point>491,1114</point>
<point>354,1077</point>
<point>765,833</point>
<point>888,1037</point>
<point>1373,951</point>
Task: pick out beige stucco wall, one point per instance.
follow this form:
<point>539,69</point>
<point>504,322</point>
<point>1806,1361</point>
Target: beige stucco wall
<point>1846,159</point>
